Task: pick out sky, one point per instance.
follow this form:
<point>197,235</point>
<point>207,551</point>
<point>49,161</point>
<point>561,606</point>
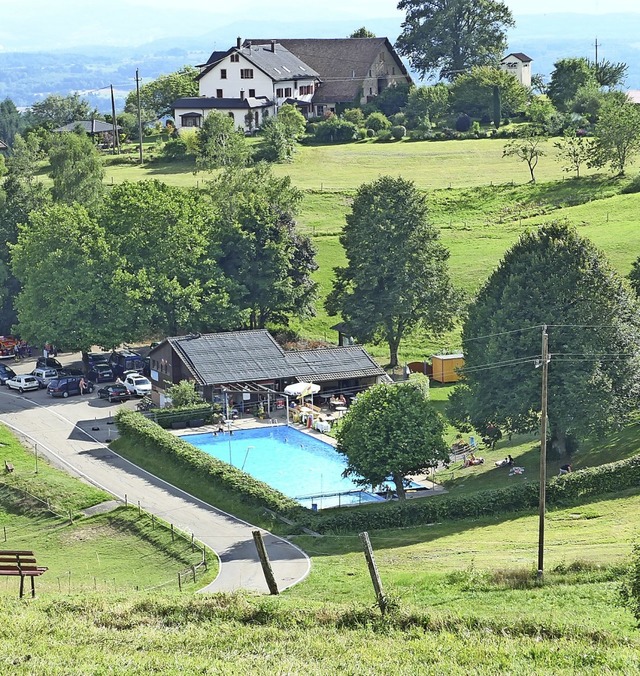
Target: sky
<point>41,25</point>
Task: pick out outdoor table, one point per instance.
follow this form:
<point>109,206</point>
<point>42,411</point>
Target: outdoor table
<point>341,410</point>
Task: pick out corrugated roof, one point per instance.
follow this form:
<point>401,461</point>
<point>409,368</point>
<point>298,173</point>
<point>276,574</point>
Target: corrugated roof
<point>246,356</point>
<point>90,126</point>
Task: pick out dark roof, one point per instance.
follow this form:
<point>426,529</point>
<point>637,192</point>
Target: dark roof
<point>342,63</point>
<point>519,55</point>
<point>333,363</point>
<point>3,145</point>
<point>272,59</point>
<point>90,126</point>
<point>251,356</point>
<point>210,102</point>
<point>215,57</point>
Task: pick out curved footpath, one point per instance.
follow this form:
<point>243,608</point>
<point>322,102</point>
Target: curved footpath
<point>57,426</point>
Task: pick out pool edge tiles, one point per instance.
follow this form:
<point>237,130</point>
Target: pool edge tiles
<point>300,465</point>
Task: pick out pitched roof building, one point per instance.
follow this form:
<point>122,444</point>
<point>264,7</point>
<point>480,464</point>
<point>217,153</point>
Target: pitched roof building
<point>236,360</point>
<point>253,79</point>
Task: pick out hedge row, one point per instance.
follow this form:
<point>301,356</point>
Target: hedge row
<point>567,489</point>
<point>166,416</point>
<point>135,427</point>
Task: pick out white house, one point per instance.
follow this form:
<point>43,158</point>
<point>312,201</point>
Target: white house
<point>253,79</point>
<point>248,83</point>
<point>519,65</point>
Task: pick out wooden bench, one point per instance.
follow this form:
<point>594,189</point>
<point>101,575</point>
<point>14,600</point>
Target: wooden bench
<point>8,467</point>
<point>21,563</point>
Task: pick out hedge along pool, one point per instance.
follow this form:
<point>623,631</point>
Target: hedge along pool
<point>297,464</point>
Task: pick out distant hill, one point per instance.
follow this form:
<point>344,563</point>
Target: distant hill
<point>29,76</point>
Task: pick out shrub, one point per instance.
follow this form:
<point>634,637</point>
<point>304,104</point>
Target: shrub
<point>421,135</point>
<point>633,186</point>
<point>174,148</point>
<point>463,123</point>
<point>377,121</point>
<point>630,587</point>
<point>165,417</point>
<point>371,133</point>
<point>255,493</point>
<point>398,132</point>
<point>384,135</point>
<point>354,115</point>
<point>362,133</point>
<point>335,130</point>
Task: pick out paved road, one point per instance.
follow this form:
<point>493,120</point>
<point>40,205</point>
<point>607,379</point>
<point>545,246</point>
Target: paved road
<point>63,431</point>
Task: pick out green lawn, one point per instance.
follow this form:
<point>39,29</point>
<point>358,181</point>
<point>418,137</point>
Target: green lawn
<point>118,550</point>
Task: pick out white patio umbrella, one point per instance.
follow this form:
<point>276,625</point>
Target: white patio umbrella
<point>301,389</point>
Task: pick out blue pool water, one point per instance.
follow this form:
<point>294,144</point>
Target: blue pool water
<point>297,464</point>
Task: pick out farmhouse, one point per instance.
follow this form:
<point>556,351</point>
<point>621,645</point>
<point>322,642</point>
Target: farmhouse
<point>252,80</point>
<point>519,65</point>
<point>248,364</point>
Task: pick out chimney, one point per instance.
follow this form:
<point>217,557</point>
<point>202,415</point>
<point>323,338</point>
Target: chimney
<point>273,46</point>
<point>238,42</point>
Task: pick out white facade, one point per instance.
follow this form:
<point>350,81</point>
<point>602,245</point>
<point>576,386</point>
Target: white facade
<point>519,65</point>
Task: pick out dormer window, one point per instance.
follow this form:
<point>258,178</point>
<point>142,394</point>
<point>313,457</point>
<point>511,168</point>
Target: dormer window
<point>235,58</point>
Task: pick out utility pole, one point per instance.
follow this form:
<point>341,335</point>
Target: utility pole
<point>543,449</point>
<point>139,111</point>
<point>596,61</point>
<point>116,140</point>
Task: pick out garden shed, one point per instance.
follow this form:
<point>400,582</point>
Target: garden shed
<point>445,367</point>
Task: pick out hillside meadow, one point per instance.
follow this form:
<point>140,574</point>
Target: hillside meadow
<point>480,201</point>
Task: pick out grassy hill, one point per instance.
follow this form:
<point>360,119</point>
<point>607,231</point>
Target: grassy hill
<point>481,201</point>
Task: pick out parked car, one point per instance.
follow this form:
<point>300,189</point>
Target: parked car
<point>48,362</point>
<point>114,393</point>
<point>98,358</point>
<point>100,373</point>
<point>137,384</point>
<point>44,375</point>
<point>125,360</point>
<point>70,371</point>
<point>6,372</point>
<point>68,385</point>
<point>23,383</point>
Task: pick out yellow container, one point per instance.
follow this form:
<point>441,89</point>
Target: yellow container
<point>445,365</point>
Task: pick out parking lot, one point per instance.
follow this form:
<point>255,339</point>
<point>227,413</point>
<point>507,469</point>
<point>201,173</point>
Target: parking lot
<point>73,434</point>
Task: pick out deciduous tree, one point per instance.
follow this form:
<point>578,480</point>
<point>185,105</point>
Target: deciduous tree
<point>573,151</point>
<point>527,147</point>
<point>157,97</point>
<point>555,277</point>
<point>56,110</point>
<point>472,92</point>
<point>71,293</point>
<point>617,135</point>
<point>220,144</point>
<point>567,77</point>
<point>396,278</point>
<point>76,170</point>
<point>390,432</point>
<point>263,254</point>
<point>450,36</point>
<point>11,121</point>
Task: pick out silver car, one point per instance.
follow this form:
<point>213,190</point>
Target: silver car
<point>44,375</point>
<point>23,383</point>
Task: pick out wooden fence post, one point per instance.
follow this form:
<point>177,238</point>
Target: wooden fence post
<point>173,537</point>
<point>266,565</point>
<point>373,571</point>
<point>179,582</point>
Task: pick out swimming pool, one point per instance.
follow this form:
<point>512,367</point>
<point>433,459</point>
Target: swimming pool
<point>297,464</point>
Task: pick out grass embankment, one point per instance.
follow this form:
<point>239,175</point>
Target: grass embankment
<point>194,483</point>
<point>121,549</point>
